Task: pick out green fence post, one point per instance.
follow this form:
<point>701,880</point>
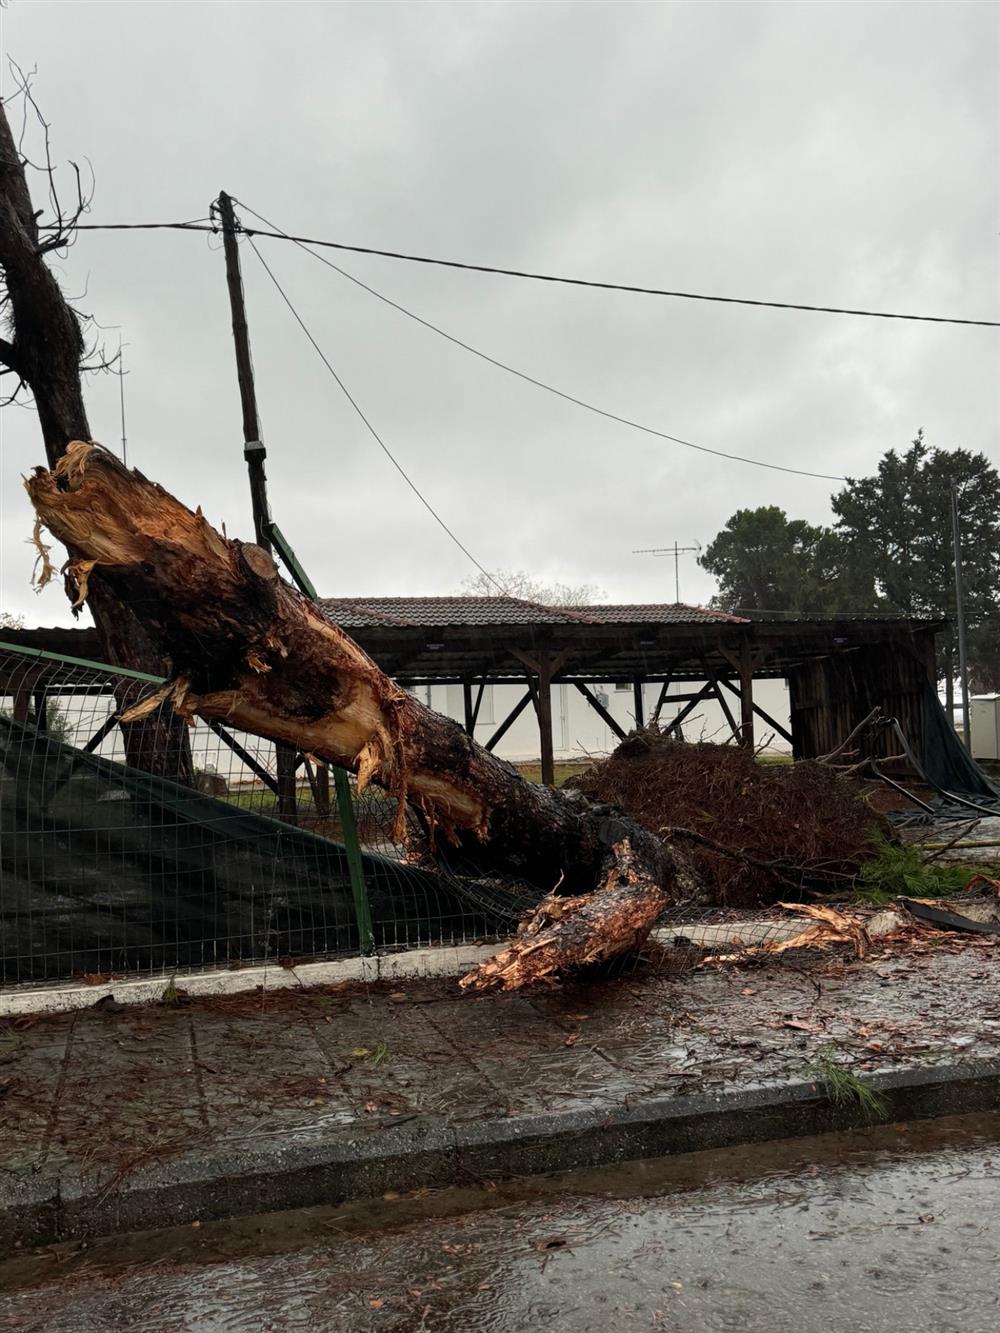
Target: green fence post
<point>362,910</point>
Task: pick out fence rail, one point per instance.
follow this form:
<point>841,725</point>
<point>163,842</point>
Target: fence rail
<point>154,846</point>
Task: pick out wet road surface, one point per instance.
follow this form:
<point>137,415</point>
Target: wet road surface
<point>897,1228</point>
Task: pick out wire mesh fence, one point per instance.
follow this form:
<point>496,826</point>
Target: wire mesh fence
<point>153,845</point>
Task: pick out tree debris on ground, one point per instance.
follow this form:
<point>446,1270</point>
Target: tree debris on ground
<point>829,928</point>
<point>754,831</point>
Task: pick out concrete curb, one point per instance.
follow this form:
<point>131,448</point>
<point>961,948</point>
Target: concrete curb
<point>315,1166</point>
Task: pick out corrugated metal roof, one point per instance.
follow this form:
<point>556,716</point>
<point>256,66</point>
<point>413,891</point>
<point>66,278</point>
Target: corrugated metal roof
<point>442,612</point>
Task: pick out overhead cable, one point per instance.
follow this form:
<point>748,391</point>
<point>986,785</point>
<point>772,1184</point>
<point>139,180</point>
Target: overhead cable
<point>541,384</point>
<point>371,429</point>
<point>548,277</point>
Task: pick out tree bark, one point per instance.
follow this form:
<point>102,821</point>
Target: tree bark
<point>46,353</point>
<point>251,651</point>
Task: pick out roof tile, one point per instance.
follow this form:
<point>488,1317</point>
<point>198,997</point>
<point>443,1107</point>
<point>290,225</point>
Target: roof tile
<point>444,612</point>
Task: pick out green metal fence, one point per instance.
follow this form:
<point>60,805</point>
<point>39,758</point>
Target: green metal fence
<point>154,846</point>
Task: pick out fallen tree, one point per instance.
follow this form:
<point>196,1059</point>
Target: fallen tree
<point>248,649</point>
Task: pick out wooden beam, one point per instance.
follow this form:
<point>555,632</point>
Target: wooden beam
<point>599,709</point>
<point>766,717</point>
<point>105,729</point>
<point>470,717</point>
<point>726,710</point>
<point>247,758</point>
<point>509,720</point>
<point>660,701</point>
<point>693,702</point>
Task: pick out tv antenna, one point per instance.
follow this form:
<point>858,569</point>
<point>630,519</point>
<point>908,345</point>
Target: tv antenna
<point>676,551</point>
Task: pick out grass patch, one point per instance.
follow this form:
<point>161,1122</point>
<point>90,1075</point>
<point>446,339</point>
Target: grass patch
<point>901,871</point>
<point>844,1088</point>
<point>374,1054</point>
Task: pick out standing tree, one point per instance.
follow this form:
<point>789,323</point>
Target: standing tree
<point>766,562</point>
<point>898,525</point>
<point>45,356</point>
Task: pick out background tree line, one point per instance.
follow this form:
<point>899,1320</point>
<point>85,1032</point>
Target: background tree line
<point>888,551</point>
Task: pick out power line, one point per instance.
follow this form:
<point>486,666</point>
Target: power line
<point>540,384</point>
<point>545,277</point>
<point>371,429</point>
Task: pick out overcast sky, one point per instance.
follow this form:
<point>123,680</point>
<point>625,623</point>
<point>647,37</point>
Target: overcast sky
<point>840,154</point>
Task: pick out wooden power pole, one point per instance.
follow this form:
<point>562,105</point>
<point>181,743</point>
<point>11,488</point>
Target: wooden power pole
<point>255,453</point>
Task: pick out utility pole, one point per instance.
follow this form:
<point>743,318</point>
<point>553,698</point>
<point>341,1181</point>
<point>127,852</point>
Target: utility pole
<point>254,453</point>
<point>963,664</point>
<point>676,551</point>
<point>253,446</point>
<point>121,396</point>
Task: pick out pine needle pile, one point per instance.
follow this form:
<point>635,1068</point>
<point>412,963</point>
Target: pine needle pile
<point>755,832</point>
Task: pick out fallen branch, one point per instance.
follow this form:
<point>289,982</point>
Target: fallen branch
<point>829,928</point>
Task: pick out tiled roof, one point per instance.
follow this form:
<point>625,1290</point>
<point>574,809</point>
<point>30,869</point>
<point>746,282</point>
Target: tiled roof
<point>440,612</point>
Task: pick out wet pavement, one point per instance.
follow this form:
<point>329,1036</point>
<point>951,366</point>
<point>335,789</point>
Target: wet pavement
<point>104,1091</point>
<point>895,1228</point>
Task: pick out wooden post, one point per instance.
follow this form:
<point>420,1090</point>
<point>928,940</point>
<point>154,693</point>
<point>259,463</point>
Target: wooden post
<point>746,696</point>
<point>637,700</point>
<point>544,667</point>
<point>322,791</point>
<point>545,721</point>
<point>254,453</point>
<point>470,717</point>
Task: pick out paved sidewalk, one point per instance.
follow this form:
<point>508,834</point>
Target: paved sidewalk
<point>114,1117</point>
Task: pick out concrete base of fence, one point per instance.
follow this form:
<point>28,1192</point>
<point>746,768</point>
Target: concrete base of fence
<point>441,961</point>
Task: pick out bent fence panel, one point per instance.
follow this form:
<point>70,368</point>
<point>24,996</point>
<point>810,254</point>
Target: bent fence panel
<point>108,867</point>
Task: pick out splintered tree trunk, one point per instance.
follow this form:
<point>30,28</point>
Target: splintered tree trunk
<point>249,650</point>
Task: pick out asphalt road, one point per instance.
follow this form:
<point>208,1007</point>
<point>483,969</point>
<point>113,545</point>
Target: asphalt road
<point>893,1229</point>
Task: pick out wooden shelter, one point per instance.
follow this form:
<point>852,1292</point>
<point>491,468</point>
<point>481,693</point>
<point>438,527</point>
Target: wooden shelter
<point>837,669</point>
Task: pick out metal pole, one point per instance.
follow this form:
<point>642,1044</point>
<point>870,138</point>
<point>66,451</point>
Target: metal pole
<point>253,447</point>
<point>677,574</point>
<point>963,665</point>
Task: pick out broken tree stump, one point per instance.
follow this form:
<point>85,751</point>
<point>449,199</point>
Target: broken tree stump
<point>251,651</point>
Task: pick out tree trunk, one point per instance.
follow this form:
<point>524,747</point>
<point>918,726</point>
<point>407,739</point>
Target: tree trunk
<point>46,352</point>
<point>251,651</point>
